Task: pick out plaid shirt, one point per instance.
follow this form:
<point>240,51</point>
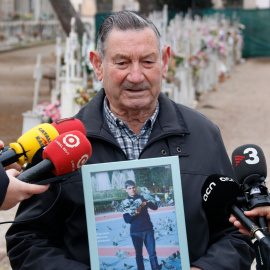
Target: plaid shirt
<point>130,143</point>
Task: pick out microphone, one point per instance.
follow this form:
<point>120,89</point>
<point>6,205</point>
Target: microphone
<point>219,199</point>
<point>68,124</point>
<point>62,126</point>
<point>27,145</point>
<point>30,145</point>
<point>65,154</point>
<point>249,165</point>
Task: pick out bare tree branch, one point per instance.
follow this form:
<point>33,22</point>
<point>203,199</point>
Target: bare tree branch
<point>65,11</point>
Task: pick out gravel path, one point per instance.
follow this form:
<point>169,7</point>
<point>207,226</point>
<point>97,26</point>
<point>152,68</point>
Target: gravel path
<point>240,106</point>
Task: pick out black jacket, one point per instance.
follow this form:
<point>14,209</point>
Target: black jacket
<point>58,240</point>
<point>4,181</point>
<point>141,222</point>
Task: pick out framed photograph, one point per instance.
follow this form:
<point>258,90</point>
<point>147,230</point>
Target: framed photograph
<point>135,215</point>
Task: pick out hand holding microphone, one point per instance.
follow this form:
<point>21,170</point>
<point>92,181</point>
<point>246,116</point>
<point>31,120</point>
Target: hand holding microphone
<point>15,166</point>
<point>262,211</point>
<point>13,190</point>
<point>250,168</point>
<point>220,199</point>
<point>18,191</point>
<point>27,145</point>
<point>249,165</point>
<point>31,144</point>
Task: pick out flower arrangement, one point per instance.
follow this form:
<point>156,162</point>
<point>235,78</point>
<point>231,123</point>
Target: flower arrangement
<point>84,95</point>
<point>14,16</point>
<point>222,77</point>
<point>198,61</point>
<point>49,111</point>
<point>28,16</point>
<point>194,62</point>
<point>176,60</point>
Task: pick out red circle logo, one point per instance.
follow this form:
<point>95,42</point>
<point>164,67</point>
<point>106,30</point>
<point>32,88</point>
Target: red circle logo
<point>82,160</point>
<point>71,140</point>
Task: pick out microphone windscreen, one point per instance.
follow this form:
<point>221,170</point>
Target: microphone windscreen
<point>218,193</point>
<point>38,157</point>
<point>62,126</point>
<point>32,140</point>
<point>248,160</point>
<point>68,124</point>
<point>68,152</point>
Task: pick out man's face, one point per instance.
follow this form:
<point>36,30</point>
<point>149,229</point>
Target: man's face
<point>131,190</point>
<point>133,70</point>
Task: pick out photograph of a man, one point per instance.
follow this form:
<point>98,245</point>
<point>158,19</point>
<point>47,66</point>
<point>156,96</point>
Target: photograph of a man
<point>141,227</point>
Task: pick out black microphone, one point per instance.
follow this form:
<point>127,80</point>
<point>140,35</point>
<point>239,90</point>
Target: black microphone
<point>5,149</point>
<point>58,179</point>
<point>219,200</point>
<point>249,165</point>
<point>247,160</point>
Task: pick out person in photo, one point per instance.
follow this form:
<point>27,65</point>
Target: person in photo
<point>141,227</point>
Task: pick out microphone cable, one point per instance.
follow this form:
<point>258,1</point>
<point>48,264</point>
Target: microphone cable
<point>39,216</point>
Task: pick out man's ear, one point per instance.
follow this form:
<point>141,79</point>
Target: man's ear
<point>97,63</point>
<point>166,54</point>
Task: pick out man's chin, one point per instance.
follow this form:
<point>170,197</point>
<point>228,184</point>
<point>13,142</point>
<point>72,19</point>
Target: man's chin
<point>138,104</point>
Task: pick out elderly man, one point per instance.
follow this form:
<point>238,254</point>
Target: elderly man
<point>131,119</point>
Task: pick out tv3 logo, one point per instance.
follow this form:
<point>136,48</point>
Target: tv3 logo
<point>252,159</point>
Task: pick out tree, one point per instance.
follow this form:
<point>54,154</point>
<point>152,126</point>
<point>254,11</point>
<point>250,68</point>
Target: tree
<point>143,177</point>
<point>65,11</point>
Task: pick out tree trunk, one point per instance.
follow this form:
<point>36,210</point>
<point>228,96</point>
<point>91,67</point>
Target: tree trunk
<point>65,11</point>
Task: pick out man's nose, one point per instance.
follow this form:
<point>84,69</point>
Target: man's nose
<point>135,73</point>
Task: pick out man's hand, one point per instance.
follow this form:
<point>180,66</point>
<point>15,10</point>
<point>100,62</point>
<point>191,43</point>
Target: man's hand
<point>263,211</point>
<point>15,165</point>
<point>195,268</point>
<point>138,211</point>
<point>143,204</point>
<point>18,191</point>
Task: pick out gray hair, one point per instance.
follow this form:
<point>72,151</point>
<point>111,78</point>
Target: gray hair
<point>123,20</point>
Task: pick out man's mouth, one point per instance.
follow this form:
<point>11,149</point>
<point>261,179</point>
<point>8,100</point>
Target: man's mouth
<point>135,90</point>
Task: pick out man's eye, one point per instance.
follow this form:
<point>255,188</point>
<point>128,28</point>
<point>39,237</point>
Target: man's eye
<point>148,63</point>
<point>121,63</point>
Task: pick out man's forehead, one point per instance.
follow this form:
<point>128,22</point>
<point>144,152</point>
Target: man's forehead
<point>117,34</point>
<point>131,43</point>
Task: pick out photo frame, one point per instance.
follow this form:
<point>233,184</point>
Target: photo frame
<point>109,207</point>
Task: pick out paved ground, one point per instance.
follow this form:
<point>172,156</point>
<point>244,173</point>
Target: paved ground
<point>240,106</point>
<point>16,97</point>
